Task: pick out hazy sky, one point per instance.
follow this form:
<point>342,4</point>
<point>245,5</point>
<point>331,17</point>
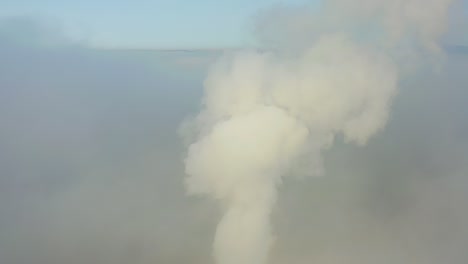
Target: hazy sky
<point>148,23</point>
<point>155,23</point>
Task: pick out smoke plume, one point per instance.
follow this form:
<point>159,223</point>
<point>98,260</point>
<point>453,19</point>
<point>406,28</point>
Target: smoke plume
<point>267,115</point>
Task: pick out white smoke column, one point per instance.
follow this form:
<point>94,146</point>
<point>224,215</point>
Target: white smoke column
<point>266,113</point>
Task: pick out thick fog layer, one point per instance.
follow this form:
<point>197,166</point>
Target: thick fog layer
<point>91,166</point>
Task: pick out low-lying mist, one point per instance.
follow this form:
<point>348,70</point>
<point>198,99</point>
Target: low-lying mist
<point>91,167</point>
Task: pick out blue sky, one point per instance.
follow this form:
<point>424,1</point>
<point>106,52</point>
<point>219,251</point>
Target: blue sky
<point>148,23</point>
<point>166,24</point>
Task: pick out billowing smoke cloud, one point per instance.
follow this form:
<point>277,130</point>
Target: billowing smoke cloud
<point>267,114</point>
